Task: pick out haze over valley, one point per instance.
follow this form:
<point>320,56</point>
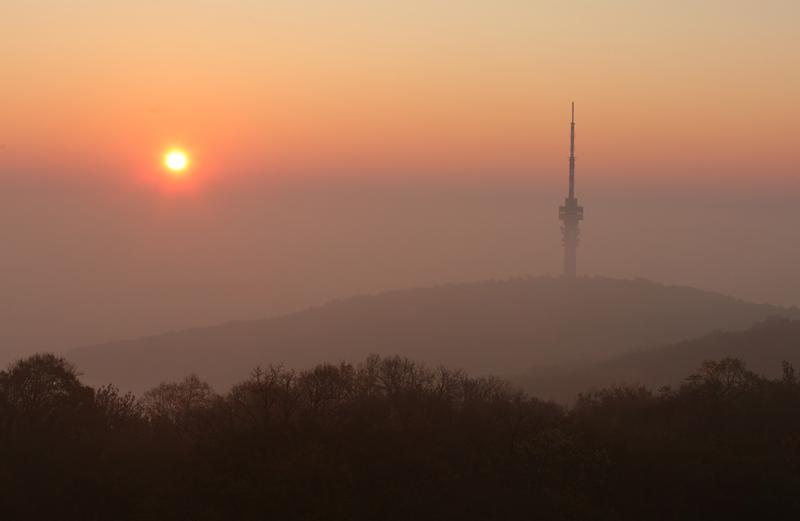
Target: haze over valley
<point>376,260</point>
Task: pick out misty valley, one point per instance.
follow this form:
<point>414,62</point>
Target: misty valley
<point>418,260</point>
<point>647,409</point>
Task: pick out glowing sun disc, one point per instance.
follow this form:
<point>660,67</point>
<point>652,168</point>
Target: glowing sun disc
<point>176,160</point>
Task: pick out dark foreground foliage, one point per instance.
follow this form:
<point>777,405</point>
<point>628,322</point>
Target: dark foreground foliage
<point>391,440</point>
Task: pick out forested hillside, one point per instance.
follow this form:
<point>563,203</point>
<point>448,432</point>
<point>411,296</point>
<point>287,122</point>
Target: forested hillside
<point>495,327</point>
<point>393,440</point>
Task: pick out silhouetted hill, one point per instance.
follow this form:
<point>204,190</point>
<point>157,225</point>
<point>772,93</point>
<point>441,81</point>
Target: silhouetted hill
<point>500,327</point>
<point>763,348</point>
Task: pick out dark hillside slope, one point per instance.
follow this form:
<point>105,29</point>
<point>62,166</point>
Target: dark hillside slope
<point>763,348</point>
<point>498,327</point>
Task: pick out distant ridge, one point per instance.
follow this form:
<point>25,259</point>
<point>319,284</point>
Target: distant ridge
<point>763,348</point>
<point>500,327</point>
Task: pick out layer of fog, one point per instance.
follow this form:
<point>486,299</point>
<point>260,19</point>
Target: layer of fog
<point>90,259</point>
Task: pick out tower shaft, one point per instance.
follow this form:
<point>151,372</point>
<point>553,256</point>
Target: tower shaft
<point>572,154</point>
<point>571,213</point>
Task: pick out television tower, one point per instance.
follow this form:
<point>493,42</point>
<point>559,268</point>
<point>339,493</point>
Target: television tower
<point>571,213</point>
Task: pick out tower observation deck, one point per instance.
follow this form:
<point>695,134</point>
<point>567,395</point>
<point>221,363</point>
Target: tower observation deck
<point>571,213</point>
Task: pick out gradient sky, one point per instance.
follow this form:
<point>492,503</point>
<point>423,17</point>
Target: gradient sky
<point>347,146</point>
<point>262,85</point>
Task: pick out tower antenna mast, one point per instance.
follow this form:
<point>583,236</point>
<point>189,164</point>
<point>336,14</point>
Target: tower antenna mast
<point>571,213</point>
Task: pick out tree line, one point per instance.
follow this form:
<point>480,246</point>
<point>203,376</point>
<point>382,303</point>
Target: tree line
<point>391,439</point>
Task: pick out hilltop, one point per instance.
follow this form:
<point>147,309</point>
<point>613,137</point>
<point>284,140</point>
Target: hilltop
<point>498,327</point>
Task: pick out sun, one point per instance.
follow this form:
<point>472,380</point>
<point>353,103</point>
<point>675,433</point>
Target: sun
<point>176,161</point>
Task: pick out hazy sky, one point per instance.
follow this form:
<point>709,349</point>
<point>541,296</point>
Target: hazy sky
<point>348,146</point>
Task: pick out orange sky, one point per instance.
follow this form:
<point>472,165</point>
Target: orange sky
<point>349,146</point>
<point>662,89</point>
